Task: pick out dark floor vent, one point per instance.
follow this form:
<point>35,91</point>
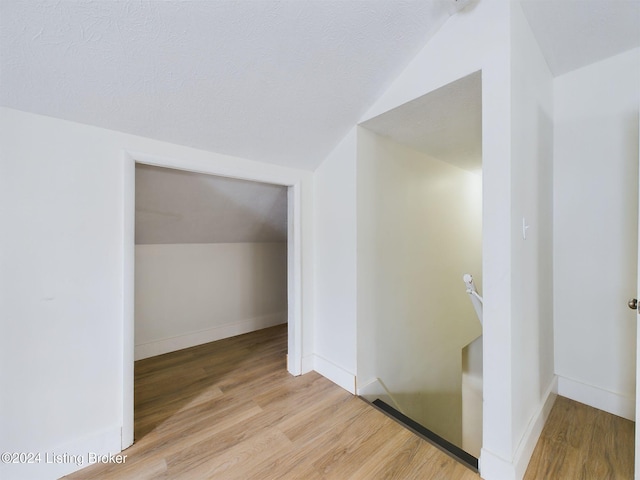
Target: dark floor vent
<point>448,447</point>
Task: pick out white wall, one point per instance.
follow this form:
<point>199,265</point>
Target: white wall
<point>479,38</point>
<point>335,265</point>
<point>518,351</point>
<point>189,294</point>
<point>62,279</point>
<point>419,232</point>
<point>531,257</point>
<point>595,241</point>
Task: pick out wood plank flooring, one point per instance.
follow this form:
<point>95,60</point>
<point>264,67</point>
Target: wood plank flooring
<point>230,410</point>
<point>579,442</point>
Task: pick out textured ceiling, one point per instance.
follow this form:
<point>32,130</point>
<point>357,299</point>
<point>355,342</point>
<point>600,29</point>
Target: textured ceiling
<point>173,206</point>
<point>445,124</point>
<point>576,33</point>
<point>280,81</point>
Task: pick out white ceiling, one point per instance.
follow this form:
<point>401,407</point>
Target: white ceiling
<point>173,206</point>
<point>576,33</point>
<point>445,124</point>
<point>280,81</point>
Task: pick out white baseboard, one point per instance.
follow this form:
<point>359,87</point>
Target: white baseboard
<point>534,429</point>
<point>166,345</point>
<point>619,404</point>
<point>62,460</point>
<point>307,364</point>
<point>370,388</point>
<point>336,374</point>
<point>494,467</point>
<point>376,388</point>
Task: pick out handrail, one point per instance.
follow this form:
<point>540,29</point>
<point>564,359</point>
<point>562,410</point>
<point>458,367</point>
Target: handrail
<point>476,299</point>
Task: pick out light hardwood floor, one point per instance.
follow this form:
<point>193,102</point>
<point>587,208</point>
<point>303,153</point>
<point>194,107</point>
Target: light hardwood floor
<point>579,442</point>
<point>229,410</point>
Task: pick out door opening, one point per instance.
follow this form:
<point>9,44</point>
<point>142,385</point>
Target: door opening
<point>291,252</point>
<point>419,233</point>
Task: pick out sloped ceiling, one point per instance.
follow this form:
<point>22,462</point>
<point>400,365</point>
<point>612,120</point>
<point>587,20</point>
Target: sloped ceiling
<point>576,33</point>
<point>173,206</point>
<point>279,81</point>
<point>445,124</point>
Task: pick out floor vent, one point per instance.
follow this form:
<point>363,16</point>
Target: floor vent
<point>446,446</point>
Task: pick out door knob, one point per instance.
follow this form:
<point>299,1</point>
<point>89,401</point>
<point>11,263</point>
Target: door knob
<point>633,304</point>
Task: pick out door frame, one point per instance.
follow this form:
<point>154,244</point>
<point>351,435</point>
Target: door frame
<point>637,399</point>
<point>276,176</point>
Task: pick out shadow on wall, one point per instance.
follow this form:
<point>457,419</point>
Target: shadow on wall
<point>174,206</point>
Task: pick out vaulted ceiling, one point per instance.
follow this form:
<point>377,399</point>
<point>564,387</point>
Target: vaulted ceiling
<point>279,81</point>
<point>576,33</point>
<point>445,124</point>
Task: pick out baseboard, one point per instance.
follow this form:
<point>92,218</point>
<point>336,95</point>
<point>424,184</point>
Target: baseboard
<point>534,429</point>
<point>371,388</point>
<point>307,364</point>
<point>64,459</point>
<point>615,403</point>
<point>166,345</point>
<point>376,389</point>
<point>335,373</point>
<point>493,466</point>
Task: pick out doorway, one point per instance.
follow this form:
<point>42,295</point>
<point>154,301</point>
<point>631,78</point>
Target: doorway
<point>211,258</point>
<point>294,252</point>
<point>419,234</point>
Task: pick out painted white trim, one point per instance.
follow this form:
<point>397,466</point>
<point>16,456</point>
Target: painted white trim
<point>294,278</point>
<point>171,344</point>
<point>106,442</point>
<point>534,429</point>
<point>128,298</point>
<point>376,388</point>
<point>201,162</point>
<point>493,466</point>
<point>636,415</point>
<point>335,373</point>
<point>226,167</point>
<point>620,404</point>
<point>307,364</point>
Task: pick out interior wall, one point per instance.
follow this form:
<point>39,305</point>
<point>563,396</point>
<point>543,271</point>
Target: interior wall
<point>419,232</point>
<point>532,338</point>
<point>335,265</point>
<point>595,226</point>
<point>62,280</point>
<point>189,294</point>
<point>478,39</point>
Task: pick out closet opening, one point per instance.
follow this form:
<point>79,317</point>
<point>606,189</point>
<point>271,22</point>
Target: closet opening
<point>209,255</point>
